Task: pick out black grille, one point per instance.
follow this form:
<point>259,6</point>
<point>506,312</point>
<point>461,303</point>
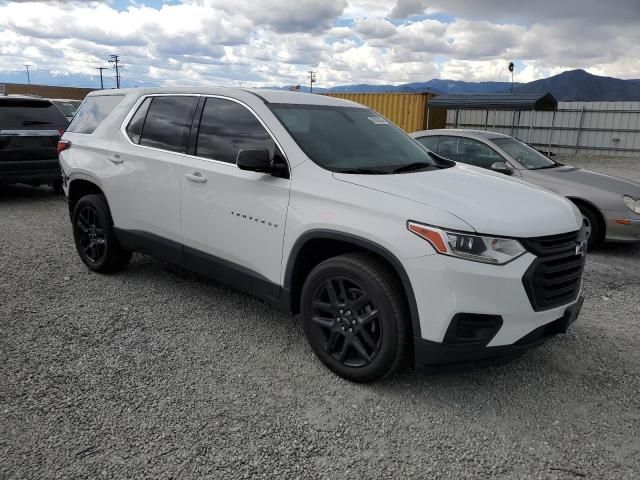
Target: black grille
<point>553,279</point>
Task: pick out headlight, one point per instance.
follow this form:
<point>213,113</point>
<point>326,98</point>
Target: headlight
<point>497,251</point>
<point>633,205</point>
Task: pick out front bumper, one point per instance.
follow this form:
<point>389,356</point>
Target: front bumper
<point>439,356</point>
<point>622,226</point>
<point>446,288</point>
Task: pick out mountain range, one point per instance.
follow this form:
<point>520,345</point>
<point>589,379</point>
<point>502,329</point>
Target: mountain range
<point>569,86</point>
<point>572,85</point>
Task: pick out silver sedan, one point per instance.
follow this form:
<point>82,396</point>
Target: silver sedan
<point>610,206</point>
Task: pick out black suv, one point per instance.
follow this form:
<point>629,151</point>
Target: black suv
<point>29,132</point>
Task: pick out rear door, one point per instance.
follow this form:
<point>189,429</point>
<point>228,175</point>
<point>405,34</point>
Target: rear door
<point>29,133</point>
<point>144,191</point>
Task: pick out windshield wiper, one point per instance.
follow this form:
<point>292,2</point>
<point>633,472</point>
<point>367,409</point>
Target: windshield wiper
<point>553,165</point>
<point>34,122</point>
<point>410,167</point>
<point>365,171</point>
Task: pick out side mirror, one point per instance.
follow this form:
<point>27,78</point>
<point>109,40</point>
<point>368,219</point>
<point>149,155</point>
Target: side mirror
<point>254,160</point>
<point>502,167</point>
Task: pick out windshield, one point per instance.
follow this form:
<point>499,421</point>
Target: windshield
<point>352,140</point>
<point>68,108</point>
<point>523,153</point>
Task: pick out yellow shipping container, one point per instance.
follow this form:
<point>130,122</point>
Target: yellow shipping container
<point>407,110</point>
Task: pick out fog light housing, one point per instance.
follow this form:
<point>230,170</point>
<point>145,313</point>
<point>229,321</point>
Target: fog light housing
<point>472,329</point>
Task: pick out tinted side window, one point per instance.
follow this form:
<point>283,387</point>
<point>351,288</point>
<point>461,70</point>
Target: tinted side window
<point>134,129</point>
<point>430,142</point>
<point>467,150</point>
<point>92,112</point>
<point>16,113</point>
<point>168,123</point>
<point>226,128</point>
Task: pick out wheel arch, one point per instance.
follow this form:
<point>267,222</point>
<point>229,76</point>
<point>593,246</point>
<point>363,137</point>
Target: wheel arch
<point>316,246</point>
<point>78,188</point>
<point>591,206</point>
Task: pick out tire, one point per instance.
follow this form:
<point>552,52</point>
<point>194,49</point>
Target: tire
<point>56,186</point>
<point>353,317</point>
<point>595,228</point>
<point>94,237</point>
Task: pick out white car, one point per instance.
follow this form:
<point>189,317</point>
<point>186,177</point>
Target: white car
<point>324,208</point>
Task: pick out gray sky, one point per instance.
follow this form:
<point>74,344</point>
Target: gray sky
<point>258,42</point>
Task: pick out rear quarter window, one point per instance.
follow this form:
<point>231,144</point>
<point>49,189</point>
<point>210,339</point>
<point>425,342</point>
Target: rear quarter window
<point>32,113</point>
<point>93,112</point>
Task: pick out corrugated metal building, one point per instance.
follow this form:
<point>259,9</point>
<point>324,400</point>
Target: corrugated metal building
<point>407,110</point>
<point>605,128</point>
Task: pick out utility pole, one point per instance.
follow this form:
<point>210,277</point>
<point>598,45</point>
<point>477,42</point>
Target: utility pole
<point>115,59</point>
<point>511,69</point>
<point>28,76</point>
<point>312,80</point>
<point>101,82</point>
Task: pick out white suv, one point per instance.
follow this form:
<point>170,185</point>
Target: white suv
<point>324,208</point>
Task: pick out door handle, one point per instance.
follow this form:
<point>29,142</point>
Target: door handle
<point>195,177</point>
<point>115,159</point>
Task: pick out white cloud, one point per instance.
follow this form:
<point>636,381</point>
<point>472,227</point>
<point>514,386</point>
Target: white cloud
<point>263,42</point>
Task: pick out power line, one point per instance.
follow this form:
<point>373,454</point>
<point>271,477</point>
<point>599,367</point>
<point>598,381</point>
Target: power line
<point>101,82</point>
<point>28,76</point>
<point>312,80</point>
<point>115,59</point>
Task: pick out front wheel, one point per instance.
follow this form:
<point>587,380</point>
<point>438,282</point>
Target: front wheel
<point>353,317</point>
<point>593,226</point>
<point>94,237</point>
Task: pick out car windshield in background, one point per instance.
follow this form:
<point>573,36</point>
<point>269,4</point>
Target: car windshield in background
<point>523,153</point>
<point>18,113</point>
<point>68,108</point>
<point>352,140</point>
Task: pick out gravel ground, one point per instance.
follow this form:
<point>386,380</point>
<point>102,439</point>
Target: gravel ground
<point>158,373</point>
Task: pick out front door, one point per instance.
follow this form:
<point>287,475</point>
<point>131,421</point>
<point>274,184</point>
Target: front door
<point>233,220</point>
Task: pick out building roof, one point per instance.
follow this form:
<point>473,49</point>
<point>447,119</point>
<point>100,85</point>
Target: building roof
<point>495,101</point>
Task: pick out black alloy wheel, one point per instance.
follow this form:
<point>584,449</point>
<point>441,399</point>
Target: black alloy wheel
<point>347,320</point>
<point>90,235</point>
<point>94,236</point>
<point>354,316</point>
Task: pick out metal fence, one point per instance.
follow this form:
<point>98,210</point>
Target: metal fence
<point>605,128</point>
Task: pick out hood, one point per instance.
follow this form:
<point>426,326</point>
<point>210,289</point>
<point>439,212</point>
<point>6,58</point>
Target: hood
<point>586,177</point>
<point>491,203</point>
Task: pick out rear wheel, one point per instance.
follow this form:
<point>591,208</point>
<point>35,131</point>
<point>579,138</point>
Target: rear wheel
<point>353,317</point>
<point>593,226</point>
<point>94,237</point>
